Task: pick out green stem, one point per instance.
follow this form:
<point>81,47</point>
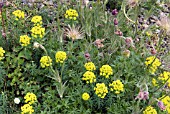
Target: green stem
<point>80,9</point>
<point>124,11</point>
<point>3,27</point>
<point>62,69</point>
<point>165,96</point>
<point>55,73</point>
<point>136,22</point>
<point>136,108</point>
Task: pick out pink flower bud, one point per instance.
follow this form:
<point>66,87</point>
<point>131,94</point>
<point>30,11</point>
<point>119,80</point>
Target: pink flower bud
<point>87,55</point>
<point>140,95</point>
<point>146,95</point>
<point>119,33</point>
<point>128,40</point>
<point>161,105</point>
<point>143,95</point>
<point>115,21</point>
<point>4,34</point>
<point>1,4</point>
<point>153,51</point>
<point>114,12</point>
<point>7,3</point>
<point>98,43</point>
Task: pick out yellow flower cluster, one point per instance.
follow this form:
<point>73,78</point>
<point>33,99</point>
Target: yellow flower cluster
<point>152,62</point>
<point>37,31</point>
<point>45,61</point>
<point>24,40</point>
<point>1,53</point>
<point>154,82</point>
<point>164,77</point>
<point>106,71</point>
<point>166,101</point>
<point>30,98</point>
<point>71,14</point>
<point>60,56</point>
<point>37,20</point>
<point>27,109</point>
<point>90,66</point>
<point>101,90</point>
<point>149,110</point>
<point>117,86</point>
<point>148,34</point>
<point>85,96</point>
<point>18,14</point>
<point>89,77</point>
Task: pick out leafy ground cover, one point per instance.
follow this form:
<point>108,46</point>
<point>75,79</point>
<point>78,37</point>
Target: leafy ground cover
<point>84,57</point>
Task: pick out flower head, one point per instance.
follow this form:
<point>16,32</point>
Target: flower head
<point>1,53</point>
<point>115,21</point>
<point>98,43</point>
<point>164,23</point>
<point>119,33</point>
<point>132,3</point>
<point>37,20</point>
<point>143,95</point>
<point>161,105</point>
<point>37,31</point>
<point>85,96</point>
<point>101,90</point>
<point>106,71</point>
<point>116,86</point>
<point>16,100</point>
<point>60,56</point>
<point>152,62</point>
<point>24,40</point>
<point>27,109</point>
<point>166,103</point>
<point>74,33</point>
<point>18,14</point>
<point>129,41</point>
<point>1,4</point>
<point>90,66</point>
<point>164,77</point>
<point>45,61</point>
<point>153,51</point>
<point>86,2</point>
<point>154,82</point>
<point>114,12</point>
<point>149,110</point>
<point>71,14</point>
<point>89,77</point>
<point>87,56</point>
<point>30,98</point>
<point>36,45</point>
